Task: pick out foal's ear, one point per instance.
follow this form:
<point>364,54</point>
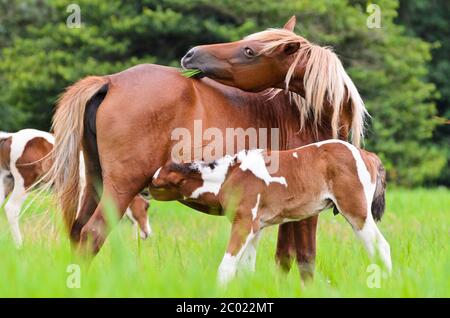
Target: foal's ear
<point>290,25</point>
<point>175,178</point>
<point>290,48</point>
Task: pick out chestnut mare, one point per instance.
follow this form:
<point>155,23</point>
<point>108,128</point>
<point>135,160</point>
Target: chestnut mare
<point>123,123</point>
<point>23,160</point>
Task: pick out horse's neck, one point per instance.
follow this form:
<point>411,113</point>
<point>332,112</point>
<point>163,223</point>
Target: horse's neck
<point>282,112</point>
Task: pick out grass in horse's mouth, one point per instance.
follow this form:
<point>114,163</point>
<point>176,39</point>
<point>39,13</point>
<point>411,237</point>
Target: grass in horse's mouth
<point>191,73</point>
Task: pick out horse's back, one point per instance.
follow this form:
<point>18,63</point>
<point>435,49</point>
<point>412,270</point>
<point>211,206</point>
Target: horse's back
<point>165,83</point>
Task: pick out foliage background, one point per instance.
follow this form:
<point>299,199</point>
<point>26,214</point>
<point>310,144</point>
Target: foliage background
<point>400,69</point>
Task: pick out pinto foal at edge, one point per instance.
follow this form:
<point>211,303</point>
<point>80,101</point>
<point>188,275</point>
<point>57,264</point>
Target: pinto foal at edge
<point>23,159</point>
<point>309,180</point>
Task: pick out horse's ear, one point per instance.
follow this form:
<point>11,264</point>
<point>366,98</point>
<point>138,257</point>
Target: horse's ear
<point>290,48</point>
<point>290,25</point>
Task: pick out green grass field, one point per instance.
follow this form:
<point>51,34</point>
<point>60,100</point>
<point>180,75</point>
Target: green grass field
<point>182,256</point>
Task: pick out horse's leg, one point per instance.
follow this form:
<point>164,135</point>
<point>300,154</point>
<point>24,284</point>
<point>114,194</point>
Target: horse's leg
<point>94,233</point>
<point>12,208</point>
<point>86,209</point>
<point>137,213</point>
<point>285,246</point>
<point>305,244</point>
<point>90,179</point>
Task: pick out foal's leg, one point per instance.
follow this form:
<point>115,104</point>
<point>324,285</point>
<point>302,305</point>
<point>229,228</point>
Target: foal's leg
<point>358,213</point>
<point>3,190</point>
<point>137,213</point>
<point>242,235</point>
<point>248,260</point>
<point>375,242</point>
<point>12,208</point>
<point>9,184</point>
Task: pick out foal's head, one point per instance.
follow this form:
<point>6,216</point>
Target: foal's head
<point>184,177</point>
<point>255,63</point>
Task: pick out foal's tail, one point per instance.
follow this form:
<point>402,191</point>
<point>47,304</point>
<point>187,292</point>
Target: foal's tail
<point>68,127</point>
<point>379,200</point>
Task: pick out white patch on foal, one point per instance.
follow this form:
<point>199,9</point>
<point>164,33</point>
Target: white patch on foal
<point>373,240</point>
<point>157,173</point>
<point>229,264</point>
<point>253,160</point>
<point>213,177</point>
<point>255,209</point>
<point>4,135</point>
<point>248,259</point>
<point>295,155</point>
<point>143,234</point>
<point>227,268</point>
<point>245,258</point>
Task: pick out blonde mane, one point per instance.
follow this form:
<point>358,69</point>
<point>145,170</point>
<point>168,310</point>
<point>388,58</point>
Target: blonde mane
<point>325,80</point>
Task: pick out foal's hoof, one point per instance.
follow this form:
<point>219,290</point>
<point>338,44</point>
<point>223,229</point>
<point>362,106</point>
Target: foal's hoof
<point>144,234</point>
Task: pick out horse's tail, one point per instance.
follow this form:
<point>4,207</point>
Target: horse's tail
<point>68,127</point>
<point>379,200</point>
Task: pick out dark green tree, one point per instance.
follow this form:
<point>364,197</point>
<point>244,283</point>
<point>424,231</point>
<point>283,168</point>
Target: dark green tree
<point>430,20</point>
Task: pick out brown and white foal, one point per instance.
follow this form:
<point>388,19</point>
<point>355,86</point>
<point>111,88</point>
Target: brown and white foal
<point>309,180</point>
<point>23,160</point>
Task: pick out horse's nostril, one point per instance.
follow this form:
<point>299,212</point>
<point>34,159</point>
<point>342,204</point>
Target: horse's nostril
<point>188,58</point>
<point>189,54</point>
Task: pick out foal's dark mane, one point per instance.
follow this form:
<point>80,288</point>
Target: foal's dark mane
<point>183,168</point>
<point>187,168</point>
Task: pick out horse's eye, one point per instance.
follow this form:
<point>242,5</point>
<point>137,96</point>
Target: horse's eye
<point>249,52</point>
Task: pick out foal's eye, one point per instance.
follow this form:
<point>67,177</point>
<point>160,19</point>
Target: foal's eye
<point>249,52</point>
